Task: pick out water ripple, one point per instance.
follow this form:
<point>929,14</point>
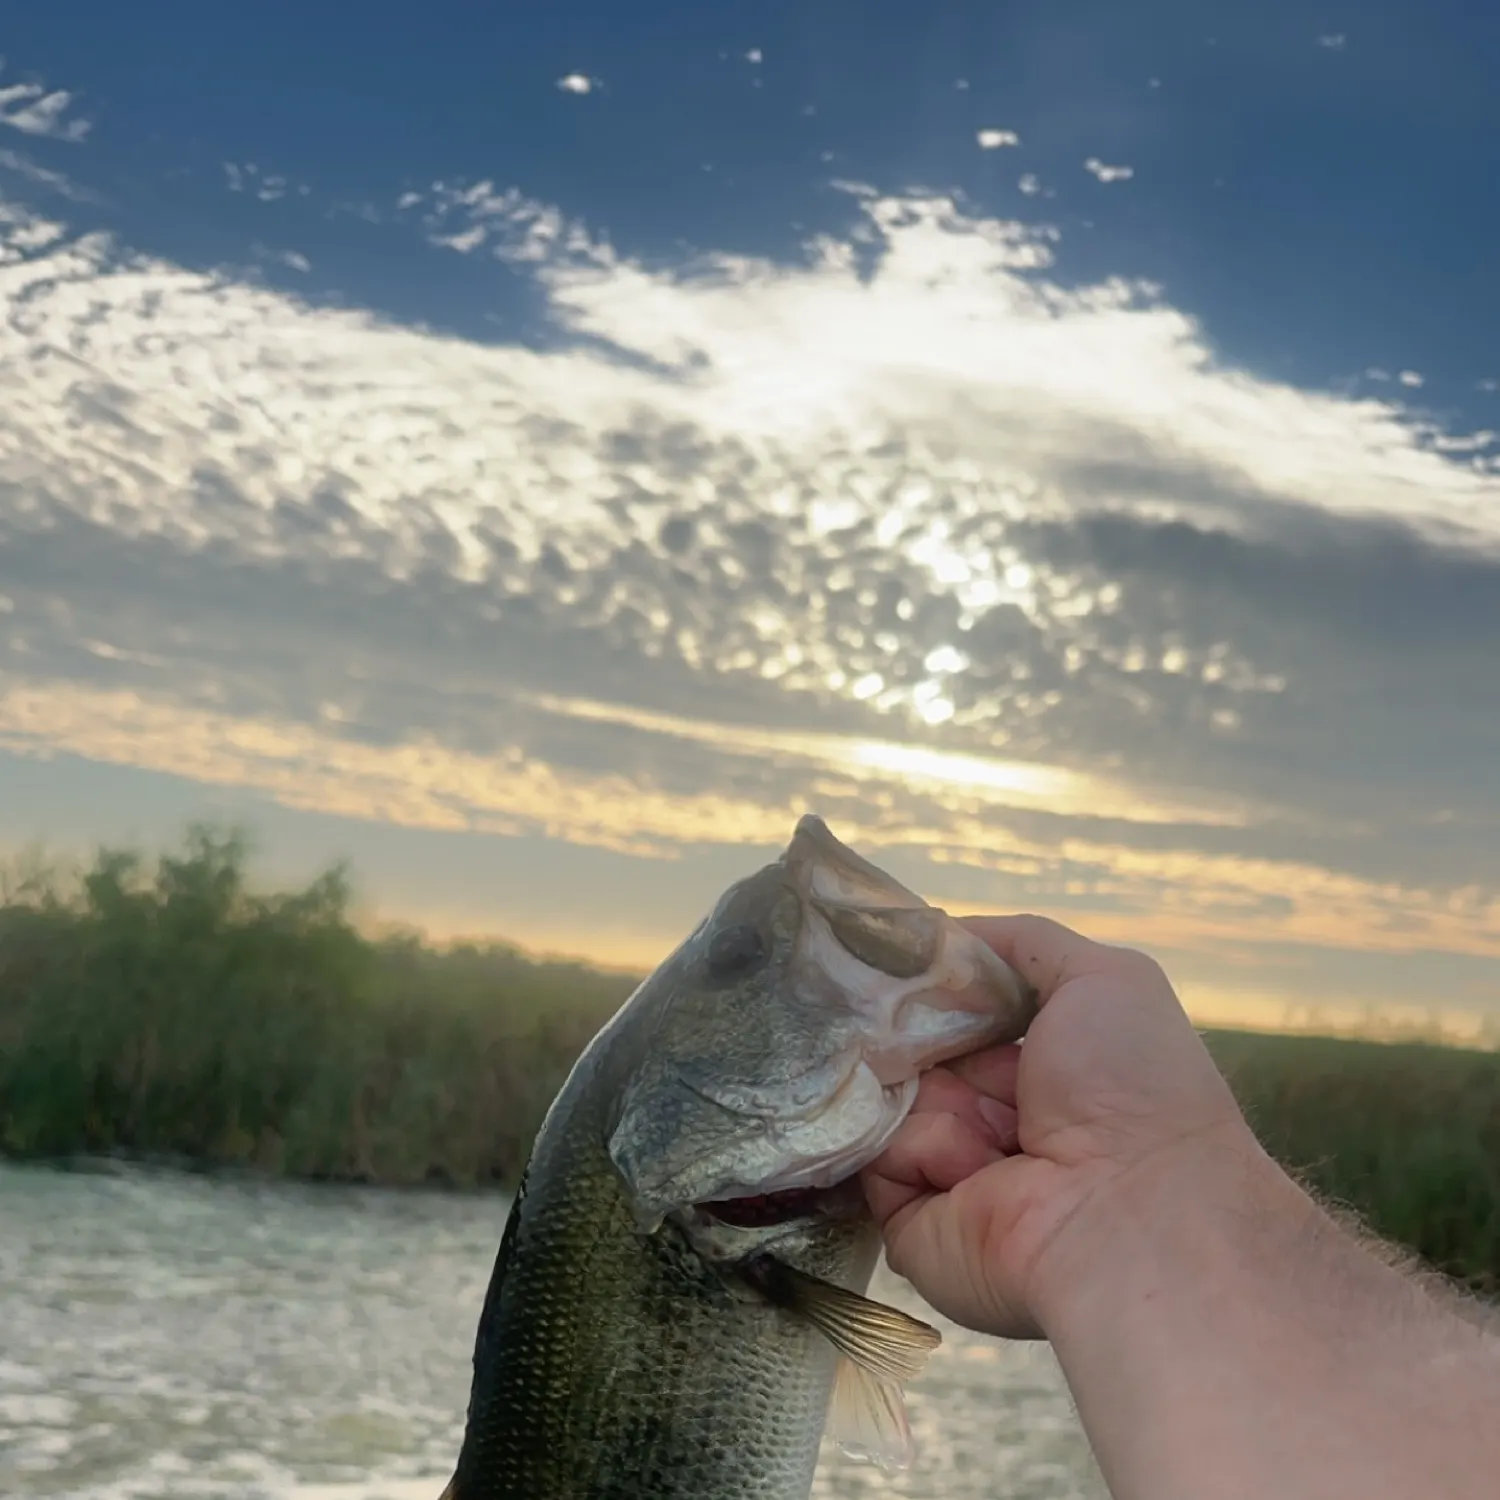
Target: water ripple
<point>170,1337</point>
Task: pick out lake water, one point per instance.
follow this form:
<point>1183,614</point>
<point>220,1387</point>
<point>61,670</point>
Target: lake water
<point>167,1335</point>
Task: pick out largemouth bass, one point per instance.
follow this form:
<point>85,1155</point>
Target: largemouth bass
<point>677,1306</point>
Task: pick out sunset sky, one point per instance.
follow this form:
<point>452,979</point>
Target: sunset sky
<point>537,452</point>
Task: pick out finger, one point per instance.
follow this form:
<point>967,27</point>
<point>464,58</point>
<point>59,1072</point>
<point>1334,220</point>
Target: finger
<point>888,1198</point>
<point>1045,953</point>
<point>934,1153</point>
<point>945,1090</point>
<point>993,1072</point>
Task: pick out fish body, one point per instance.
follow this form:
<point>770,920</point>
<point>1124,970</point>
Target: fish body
<point>678,1291</point>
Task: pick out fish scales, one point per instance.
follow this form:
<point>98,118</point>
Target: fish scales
<point>621,1367</point>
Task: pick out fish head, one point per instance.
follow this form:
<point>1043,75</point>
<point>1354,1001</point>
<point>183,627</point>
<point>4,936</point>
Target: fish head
<point>780,1047</point>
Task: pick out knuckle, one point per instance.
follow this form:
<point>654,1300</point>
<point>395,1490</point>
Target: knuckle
<point>1137,964</point>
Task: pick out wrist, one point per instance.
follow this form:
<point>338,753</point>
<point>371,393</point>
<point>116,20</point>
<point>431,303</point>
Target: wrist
<point>1162,1221</point>
<point>1220,1332</point>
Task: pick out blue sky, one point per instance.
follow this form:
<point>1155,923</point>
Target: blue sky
<point>536,454</point>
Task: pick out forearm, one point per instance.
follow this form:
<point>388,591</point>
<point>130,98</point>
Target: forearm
<point>1229,1340</point>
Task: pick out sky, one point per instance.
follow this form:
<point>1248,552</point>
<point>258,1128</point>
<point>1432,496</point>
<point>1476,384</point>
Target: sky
<point>537,453</point>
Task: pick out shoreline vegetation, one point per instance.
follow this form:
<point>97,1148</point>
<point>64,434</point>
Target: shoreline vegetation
<point>166,1010</point>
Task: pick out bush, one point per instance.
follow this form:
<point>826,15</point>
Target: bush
<point>174,1012</point>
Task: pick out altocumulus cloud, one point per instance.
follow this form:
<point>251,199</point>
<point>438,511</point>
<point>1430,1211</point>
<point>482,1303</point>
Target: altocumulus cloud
<point>1016,576</point>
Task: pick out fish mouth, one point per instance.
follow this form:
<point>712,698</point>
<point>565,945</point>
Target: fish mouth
<point>726,1231</point>
<point>773,1208</point>
<point>770,1210</point>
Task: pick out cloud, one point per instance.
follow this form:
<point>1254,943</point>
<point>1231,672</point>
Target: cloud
<point>1108,174</point>
<point>577,83</point>
<point>267,187</point>
<point>509,225</point>
<point>44,177</point>
<point>1016,576</point>
<point>992,140</point>
<point>36,110</point>
<point>293,260</point>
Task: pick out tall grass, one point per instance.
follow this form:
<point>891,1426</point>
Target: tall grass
<point>1407,1135</point>
<point>168,1009</point>
<point>172,1011</point>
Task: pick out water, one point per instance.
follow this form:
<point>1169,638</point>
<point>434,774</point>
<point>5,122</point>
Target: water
<point>164,1335</point>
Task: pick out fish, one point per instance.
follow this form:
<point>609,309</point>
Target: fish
<point>677,1307</point>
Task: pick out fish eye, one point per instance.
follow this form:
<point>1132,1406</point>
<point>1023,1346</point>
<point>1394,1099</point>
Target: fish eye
<point>736,950</point>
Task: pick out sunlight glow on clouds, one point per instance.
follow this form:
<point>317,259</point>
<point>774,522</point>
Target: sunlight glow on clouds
<point>1193,898</point>
<point>1013,573</point>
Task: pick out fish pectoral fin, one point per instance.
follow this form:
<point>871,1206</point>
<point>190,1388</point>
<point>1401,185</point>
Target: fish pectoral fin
<point>880,1347</point>
<point>888,1343</point>
<point>867,1418</point>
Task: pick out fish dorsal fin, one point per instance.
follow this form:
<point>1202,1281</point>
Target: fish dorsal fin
<point>867,1418</point>
<point>888,1343</point>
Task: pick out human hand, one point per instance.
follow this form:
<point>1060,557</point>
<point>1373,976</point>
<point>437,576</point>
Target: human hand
<point>1014,1160</point>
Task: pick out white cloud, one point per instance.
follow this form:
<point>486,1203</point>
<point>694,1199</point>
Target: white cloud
<point>755,55</point>
<point>1410,378</point>
<point>1108,174</point>
<point>991,140</point>
<point>794,360</point>
<point>895,483</point>
<point>517,229</point>
<point>577,83</point>
<point>22,235</point>
<point>464,240</point>
<point>1029,183</point>
<point>44,177</point>
<point>35,110</point>
<point>247,177</point>
<point>1334,41</point>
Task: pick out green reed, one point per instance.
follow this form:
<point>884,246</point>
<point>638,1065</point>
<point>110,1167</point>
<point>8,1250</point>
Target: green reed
<point>1407,1135</point>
